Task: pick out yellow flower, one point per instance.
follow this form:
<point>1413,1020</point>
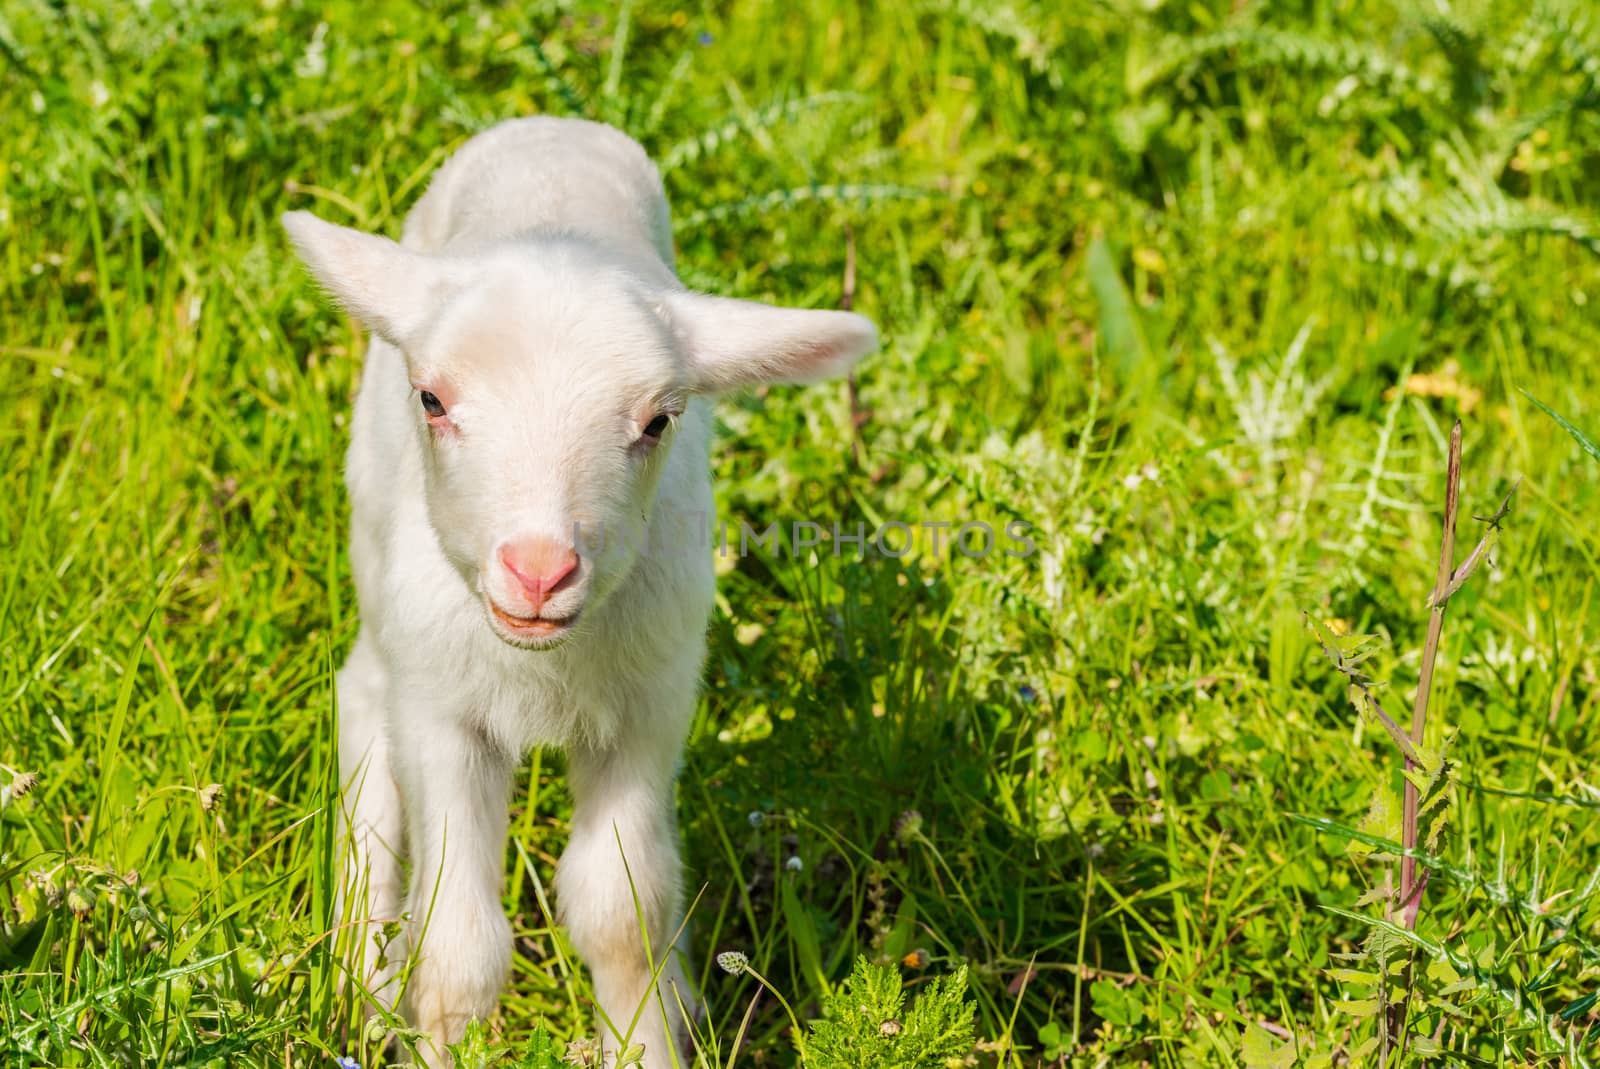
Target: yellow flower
<point>1151,260</point>
<point>1445,383</point>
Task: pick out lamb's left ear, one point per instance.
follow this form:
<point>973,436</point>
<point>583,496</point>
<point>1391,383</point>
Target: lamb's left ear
<point>735,343</point>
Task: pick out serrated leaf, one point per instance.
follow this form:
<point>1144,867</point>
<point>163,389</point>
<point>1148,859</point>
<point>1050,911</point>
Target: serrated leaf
<point>541,1052</point>
<point>1382,942</point>
<point>1422,778</point>
<point>1377,893</point>
<point>1440,969</point>
<point>1364,1007</point>
<point>1347,650</point>
<point>1382,821</point>
<point>1433,798</point>
<point>1424,1047</point>
<point>1354,976</point>
<point>1435,830</point>
<point>1260,1050</point>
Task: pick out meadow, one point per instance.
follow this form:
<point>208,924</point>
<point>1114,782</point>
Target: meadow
<point>1194,290</point>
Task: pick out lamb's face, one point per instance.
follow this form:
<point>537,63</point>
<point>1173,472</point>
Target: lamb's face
<point>547,380</point>
<point>548,395</point>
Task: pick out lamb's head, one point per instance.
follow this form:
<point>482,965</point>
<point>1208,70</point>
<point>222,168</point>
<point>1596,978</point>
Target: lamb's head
<point>547,383</point>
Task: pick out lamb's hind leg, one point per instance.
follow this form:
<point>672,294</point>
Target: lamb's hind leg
<point>372,883</point>
<point>620,867</point>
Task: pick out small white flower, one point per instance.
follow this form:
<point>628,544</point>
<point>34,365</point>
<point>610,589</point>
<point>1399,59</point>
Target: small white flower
<point>756,818</point>
<point>314,62</point>
<point>909,826</point>
<point>794,864</point>
<point>80,900</point>
<point>732,962</point>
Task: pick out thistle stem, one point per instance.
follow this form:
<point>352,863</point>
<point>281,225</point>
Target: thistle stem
<point>1410,897</point>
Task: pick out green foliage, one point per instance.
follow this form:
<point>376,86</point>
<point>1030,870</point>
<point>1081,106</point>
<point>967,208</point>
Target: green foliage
<point>1578,436</point>
<point>865,1024</point>
<point>477,1050</point>
<point>1115,1004</point>
<point>1195,290</point>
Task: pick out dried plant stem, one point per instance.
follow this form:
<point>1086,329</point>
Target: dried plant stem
<point>847,303</point>
<point>1447,581</point>
<point>1410,886</point>
<point>847,290</point>
<point>1412,883</point>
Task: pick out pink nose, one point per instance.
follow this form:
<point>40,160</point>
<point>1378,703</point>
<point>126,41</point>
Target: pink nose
<point>539,565</point>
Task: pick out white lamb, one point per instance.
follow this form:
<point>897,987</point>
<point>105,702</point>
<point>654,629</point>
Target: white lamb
<point>535,397</point>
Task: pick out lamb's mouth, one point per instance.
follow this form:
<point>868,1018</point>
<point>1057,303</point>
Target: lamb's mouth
<point>532,627</point>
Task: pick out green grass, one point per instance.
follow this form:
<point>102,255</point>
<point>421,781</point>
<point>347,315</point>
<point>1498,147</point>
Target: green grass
<point>1149,276</point>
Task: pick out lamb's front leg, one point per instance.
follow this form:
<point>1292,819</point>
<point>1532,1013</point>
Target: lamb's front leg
<point>622,866</point>
<point>457,786</point>
<point>372,883</point>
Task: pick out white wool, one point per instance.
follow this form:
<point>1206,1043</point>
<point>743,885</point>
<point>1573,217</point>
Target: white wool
<point>533,294</point>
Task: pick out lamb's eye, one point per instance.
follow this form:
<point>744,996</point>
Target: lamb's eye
<point>656,427</point>
<point>431,405</point>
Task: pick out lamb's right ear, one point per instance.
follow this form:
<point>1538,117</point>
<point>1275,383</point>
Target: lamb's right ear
<point>386,286</point>
<point>733,343</point>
